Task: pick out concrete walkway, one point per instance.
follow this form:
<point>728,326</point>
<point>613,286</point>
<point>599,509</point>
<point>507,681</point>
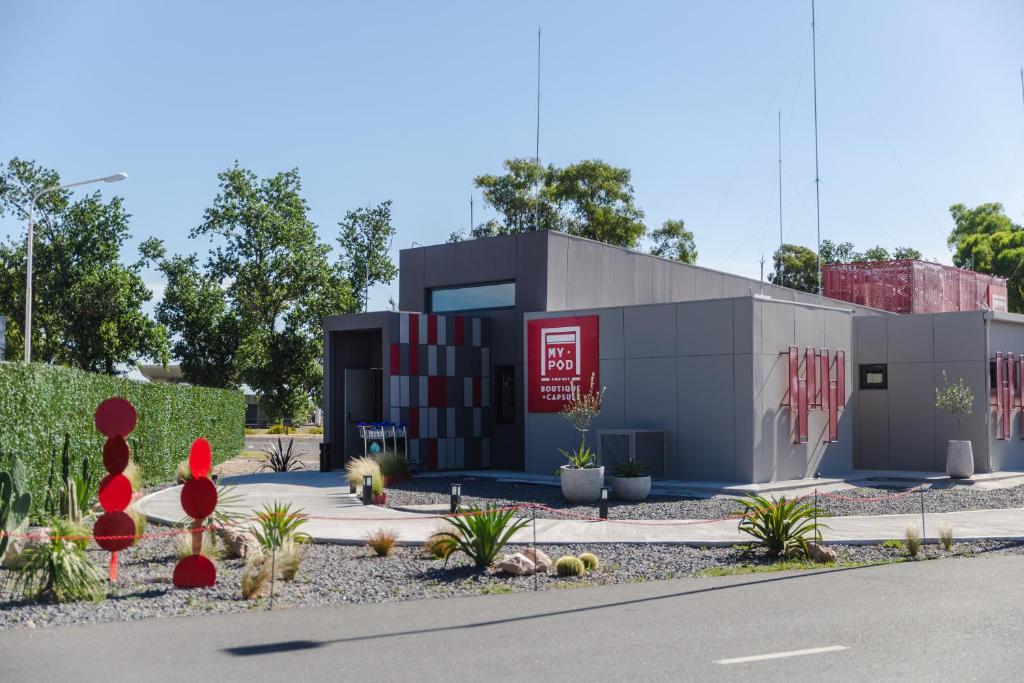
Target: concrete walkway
<point>336,516</point>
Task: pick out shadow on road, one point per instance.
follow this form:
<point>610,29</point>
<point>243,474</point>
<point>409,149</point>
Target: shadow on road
<point>293,645</point>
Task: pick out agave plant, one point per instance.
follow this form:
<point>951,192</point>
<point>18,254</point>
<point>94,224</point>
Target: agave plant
<point>782,526</point>
<point>281,459</point>
<point>277,525</point>
<point>480,533</point>
<point>59,570</point>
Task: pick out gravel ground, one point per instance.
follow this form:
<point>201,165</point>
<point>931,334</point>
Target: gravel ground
<point>479,491</point>
<point>336,575</point>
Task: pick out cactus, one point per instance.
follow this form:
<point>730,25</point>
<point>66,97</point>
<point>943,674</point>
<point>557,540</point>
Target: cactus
<point>14,504</point>
<point>590,562</point>
<point>69,501</point>
<point>569,566</point>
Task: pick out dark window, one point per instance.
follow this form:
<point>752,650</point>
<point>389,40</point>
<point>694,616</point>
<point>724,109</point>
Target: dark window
<point>472,297</point>
<point>874,377</point>
<point>505,386</point>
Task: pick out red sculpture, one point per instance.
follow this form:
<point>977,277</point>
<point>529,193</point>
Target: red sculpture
<point>198,499</point>
<point>115,530</point>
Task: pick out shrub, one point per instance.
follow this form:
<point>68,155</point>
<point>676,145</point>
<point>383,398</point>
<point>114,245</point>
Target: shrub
<point>59,570</point>
<point>913,541</point>
<point>255,577</point>
<point>381,541</point>
<point>894,543</point>
<point>481,533</point>
<point>276,525</point>
<point>569,566</point>
<point>590,561</point>
<point>946,537</point>
<point>439,546</point>
<point>286,561</point>
<point>357,468</point>
<point>957,399</point>
<point>782,526</point>
<point>315,430</point>
<point>391,464</point>
<point>279,429</point>
<point>40,403</point>
<point>280,459</point>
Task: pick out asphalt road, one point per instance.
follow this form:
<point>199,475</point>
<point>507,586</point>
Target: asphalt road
<point>946,619</point>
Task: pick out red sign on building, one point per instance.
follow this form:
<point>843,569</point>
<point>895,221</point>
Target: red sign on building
<point>561,358</point>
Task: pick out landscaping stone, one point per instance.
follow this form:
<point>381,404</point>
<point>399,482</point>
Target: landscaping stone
<point>821,553</point>
<point>541,560</point>
<point>516,564</point>
<point>239,543</point>
<point>17,545</point>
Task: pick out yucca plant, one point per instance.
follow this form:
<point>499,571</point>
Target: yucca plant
<point>782,526</point>
<point>281,459</point>
<point>276,524</point>
<point>59,570</point>
<point>481,533</point>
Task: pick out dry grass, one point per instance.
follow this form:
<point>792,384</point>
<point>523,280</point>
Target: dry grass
<point>946,537</point>
<point>357,468</point>
<point>437,546</point>
<point>382,541</point>
<point>209,547</point>
<point>912,540</point>
<point>287,560</point>
<point>255,577</point>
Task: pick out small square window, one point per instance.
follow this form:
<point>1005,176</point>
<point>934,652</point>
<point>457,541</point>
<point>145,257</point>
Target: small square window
<point>874,377</point>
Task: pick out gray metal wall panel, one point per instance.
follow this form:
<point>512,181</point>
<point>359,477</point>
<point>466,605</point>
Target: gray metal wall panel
<point>704,328</point>
<point>961,336</point>
<point>744,400</point>
<point>616,277</point>
<point>643,284</point>
<point>778,324</point>
<point>650,331</point>
<point>809,327</point>
<point>410,282</point>
<point>746,317</point>
<point>912,419</point>
<point>557,272</point>
<point>650,403</point>
<point>872,449</point>
<point>872,339</point>
<point>909,338</point>
<point>683,284</point>
<point>661,281</point>
<point>469,262</point>
<point>1005,337</point>
<point>707,285</point>
<point>585,275</point>
<point>975,374</point>
<point>707,434</point>
<point>738,286</point>
<point>531,272</point>
<point>839,333</point>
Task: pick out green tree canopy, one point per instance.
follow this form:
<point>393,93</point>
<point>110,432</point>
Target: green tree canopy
<point>796,267</point>
<point>986,240</point>
<point>590,199</point>
<point>365,240</point>
<point>672,240</point>
<point>255,308</point>
<point>87,304</point>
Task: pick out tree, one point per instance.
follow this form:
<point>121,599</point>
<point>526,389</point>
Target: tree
<point>672,240</point>
<point>590,199</point>
<point>276,285</point>
<point>986,240</point>
<point>365,240</point>
<point>795,267</point>
<point>87,304</point>
<point>906,254</point>
<point>837,253</point>
<point>514,195</point>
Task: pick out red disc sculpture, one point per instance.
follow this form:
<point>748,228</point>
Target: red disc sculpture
<point>198,499</point>
<point>114,530</point>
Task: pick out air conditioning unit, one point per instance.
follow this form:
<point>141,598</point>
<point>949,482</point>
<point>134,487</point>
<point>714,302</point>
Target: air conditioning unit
<point>646,446</point>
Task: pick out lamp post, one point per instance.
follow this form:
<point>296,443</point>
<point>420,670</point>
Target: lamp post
<point>31,233</point>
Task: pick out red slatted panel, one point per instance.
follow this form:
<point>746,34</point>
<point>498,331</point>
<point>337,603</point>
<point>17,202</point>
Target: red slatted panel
<point>437,392</point>
<point>431,329</point>
<point>432,459</point>
<point>833,412</point>
<point>794,391</point>
<point>840,379</point>
<point>413,428</point>
<point>825,376</point>
<point>459,331</point>
<point>396,360</point>
<point>1006,398</point>
<point>997,393</point>
<point>810,375</point>
<point>802,414</point>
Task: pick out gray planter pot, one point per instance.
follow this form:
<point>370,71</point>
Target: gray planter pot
<point>581,486</point>
<point>959,460</point>
<point>631,488</point>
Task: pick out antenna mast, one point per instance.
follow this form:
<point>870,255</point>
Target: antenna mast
<point>817,177</point>
<point>536,154</point>
<point>782,268</point>
<point>471,215</point>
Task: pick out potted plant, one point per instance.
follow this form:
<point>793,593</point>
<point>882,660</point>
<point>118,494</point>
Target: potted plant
<point>631,481</point>
<point>958,399</point>
<point>581,478</point>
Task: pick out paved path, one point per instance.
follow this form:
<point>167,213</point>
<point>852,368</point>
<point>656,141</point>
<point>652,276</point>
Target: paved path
<point>338,517</point>
<point>954,620</point>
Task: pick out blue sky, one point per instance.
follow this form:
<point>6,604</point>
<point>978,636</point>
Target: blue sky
<point>919,107</point>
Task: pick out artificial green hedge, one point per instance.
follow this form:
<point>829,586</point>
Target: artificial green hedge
<point>40,403</point>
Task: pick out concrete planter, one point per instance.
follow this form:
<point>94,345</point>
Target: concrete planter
<point>631,488</point>
<point>581,486</point>
<point>959,460</point>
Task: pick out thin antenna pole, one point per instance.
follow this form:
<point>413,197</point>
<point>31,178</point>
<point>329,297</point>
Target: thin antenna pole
<point>536,153</point>
<point>471,215</point>
<point>817,176</point>
<point>782,268</point>
<point>1022,83</point>
<point>762,268</point>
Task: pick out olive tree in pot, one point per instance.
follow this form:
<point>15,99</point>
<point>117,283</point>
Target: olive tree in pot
<point>581,478</point>
<point>958,399</point>
<point>631,481</point>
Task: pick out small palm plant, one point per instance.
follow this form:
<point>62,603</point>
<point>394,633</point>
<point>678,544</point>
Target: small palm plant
<point>276,525</point>
<point>957,399</point>
<point>281,459</point>
<point>480,533</point>
<point>59,570</point>
<point>782,526</point>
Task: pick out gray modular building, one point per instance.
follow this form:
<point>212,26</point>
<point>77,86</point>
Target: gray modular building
<point>708,376</point>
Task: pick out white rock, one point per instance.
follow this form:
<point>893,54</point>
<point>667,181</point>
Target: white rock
<point>517,565</point>
<point>542,562</point>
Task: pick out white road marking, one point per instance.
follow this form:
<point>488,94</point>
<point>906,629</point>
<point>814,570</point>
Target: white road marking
<point>781,655</point>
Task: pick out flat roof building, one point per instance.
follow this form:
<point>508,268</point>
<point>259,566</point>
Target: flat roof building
<point>709,376</point>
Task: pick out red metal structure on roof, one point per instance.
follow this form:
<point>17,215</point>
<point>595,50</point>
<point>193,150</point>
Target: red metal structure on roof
<point>913,287</point>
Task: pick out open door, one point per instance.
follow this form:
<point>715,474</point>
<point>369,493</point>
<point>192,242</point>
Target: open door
<point>363,403</point>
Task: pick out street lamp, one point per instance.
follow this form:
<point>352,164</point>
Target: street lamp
<point>31,233</point>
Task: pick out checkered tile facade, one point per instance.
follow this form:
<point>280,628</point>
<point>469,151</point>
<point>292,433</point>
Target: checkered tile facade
<point>439,385</point>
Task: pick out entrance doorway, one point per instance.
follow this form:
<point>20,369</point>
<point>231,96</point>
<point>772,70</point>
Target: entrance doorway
<point>364,390</point>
